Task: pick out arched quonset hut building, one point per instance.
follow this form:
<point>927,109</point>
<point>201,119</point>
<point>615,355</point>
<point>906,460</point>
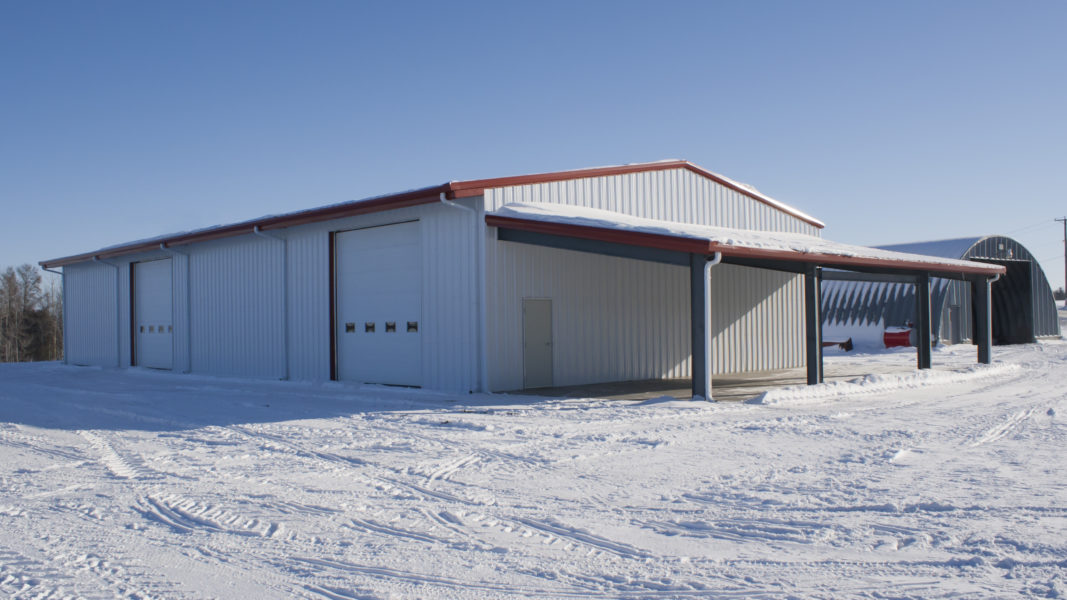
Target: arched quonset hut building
<point>656,270</point>
<point>1022,305</point>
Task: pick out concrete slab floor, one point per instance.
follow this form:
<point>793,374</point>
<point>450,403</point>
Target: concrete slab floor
<point>725,388</point>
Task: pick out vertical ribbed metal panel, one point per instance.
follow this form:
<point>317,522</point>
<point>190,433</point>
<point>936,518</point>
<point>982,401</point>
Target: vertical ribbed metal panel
<point>309,304</point>
<point>125,349</point>
<point>677,195</point>
<point>755,321</point>
<point>448,270</point>
<point>617,319</point>
<point>236,308</point>
<point>888,304</point>
<point>450,343</point>
<point>90,311</point>
<point>180,303</point>
<point>893,304</point>
<point>613,319</point>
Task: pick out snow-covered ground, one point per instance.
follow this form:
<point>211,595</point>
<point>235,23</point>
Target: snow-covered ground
<point>143,484</point>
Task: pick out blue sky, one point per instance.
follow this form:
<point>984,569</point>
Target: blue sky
<point>891,122</point>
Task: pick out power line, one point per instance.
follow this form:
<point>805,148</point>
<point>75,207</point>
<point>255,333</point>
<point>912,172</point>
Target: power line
<point>1064,221</point>
<point>1029,227</point>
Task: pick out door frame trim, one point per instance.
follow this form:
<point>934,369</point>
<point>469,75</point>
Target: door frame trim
<point>133,310</point>
<point>551,337</point>
<point>332,259</point>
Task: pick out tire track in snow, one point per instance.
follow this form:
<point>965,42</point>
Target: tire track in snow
<point>448,469</point>
<point>125,467</point>
<point>382,482</point>
<point>743,530</point>
<point>1003,429</point>
<point>393,575</point>
<point>185,515</point>
<point>298,450</point>
<point>390,531</point>
<point>581,586</point>
<point>35,443</point>
<point>558,530</point>
<point>25,577</point>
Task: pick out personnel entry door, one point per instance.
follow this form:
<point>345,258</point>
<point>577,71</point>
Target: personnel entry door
<point>378,304</point>
<point>153,328</point>
<point>536,342</point>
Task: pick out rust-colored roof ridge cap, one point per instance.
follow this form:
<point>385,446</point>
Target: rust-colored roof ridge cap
<point>474,187</point>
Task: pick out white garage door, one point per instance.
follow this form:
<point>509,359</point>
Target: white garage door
<point>379,305</point>
<point>153,332</point>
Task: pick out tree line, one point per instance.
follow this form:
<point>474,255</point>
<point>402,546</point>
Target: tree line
<point>31,316</point>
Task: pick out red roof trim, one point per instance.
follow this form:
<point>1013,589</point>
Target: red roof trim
<point>455,189</point>
<point>477,187</point>
<point>700,246</point>
<point>402,200</point>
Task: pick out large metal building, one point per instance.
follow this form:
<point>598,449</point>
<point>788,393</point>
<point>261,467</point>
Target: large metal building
<point>564,278</point>
<point>1022,303</point>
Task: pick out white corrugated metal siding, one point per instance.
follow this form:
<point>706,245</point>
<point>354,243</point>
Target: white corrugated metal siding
<point>613,319</point>
<point>757,320</point>
<point>237,307</point>
<point>447,325</point>
<point>92,313</point>
<point>677,195</point>
<point>180,285</point>
<point>235,290</point>
<point>92,337</point>
<point>309,304</point>
<point>617,319</point>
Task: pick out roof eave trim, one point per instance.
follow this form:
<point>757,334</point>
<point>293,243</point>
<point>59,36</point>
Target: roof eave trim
<point>703,246</point>
<point>338,211</point>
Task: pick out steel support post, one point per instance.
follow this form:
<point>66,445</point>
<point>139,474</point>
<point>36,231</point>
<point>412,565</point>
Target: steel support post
<point>699,321</point>
<point>813,323</point>
<point>922,321</point>
<point>983,318</point>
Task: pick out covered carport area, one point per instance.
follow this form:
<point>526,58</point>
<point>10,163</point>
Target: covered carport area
<point>700,248</point>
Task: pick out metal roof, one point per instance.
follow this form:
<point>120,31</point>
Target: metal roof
<point>953,248</point>
<point>427,195</point>
<point>615,228</point>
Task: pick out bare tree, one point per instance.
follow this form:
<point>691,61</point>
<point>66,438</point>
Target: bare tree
<point>30,318</point>
<point>9,318</point>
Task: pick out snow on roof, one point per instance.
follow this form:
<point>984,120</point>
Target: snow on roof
<point>723,239</point>
<point>954,248</point>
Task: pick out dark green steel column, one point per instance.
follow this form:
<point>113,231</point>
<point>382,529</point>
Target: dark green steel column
<point>698,310</point>
<point>922,337</point>
<point>813,323</point>
<point>983,318</point>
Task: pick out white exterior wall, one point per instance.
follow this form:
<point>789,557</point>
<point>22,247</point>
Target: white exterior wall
<point>613,319</point>
<point>677,195</point>
<point>230,296</point>
<point>757,320</point>
<point>89,308</point>
<point>448,271</point>
<point>632,317</point>
<point>90,312</point>
<point>617,319</point>
<point>237,326</point>
<point>236,287</point>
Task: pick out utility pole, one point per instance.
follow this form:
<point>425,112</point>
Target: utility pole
<point>1064,221</point>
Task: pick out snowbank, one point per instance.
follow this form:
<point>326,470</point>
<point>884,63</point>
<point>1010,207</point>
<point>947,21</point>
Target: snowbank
<point>882,384</point>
